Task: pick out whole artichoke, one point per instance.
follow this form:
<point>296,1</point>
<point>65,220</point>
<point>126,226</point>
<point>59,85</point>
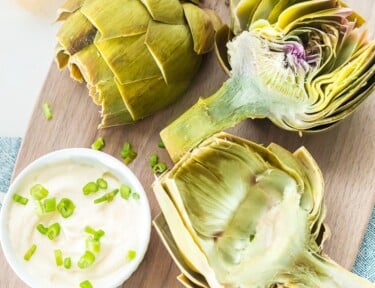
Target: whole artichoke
<point>303,64</point>
<point>237,214</point>
<point>137,56</point>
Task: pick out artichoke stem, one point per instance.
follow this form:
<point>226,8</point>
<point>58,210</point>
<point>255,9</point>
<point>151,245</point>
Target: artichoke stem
<point>232,103</point>
<point>329,274</point>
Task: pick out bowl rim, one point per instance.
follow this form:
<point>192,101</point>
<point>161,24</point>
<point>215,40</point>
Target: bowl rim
<point>90,156</point>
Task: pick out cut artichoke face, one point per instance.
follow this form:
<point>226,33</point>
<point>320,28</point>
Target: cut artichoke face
<point>136,56</point>
<point>302,64</point>
<point>242,215</point>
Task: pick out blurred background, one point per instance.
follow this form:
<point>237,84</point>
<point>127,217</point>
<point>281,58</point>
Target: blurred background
<point>27,31</point>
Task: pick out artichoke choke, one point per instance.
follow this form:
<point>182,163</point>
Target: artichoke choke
<point>136,56</point>
<point>303,64</point>
<point>237,214</point>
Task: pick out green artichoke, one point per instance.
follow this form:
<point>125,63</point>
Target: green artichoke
<point>237,214</point>
<point>137,56</point>
<point>303,64</point>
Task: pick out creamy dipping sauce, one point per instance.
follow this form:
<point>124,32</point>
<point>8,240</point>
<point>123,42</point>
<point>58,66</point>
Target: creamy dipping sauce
<point>123,222</point>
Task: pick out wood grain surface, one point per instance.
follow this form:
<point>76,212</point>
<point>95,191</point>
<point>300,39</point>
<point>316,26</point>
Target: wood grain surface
<point>346,155</point>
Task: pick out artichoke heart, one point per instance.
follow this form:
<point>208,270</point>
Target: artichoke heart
<point>136,56</point>
<point>237,214</point>
<point>302,64</point>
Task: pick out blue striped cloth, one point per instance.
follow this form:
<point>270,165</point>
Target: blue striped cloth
<point>364,264</point>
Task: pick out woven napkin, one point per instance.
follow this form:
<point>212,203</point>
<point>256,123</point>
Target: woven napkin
<point>364,265</point>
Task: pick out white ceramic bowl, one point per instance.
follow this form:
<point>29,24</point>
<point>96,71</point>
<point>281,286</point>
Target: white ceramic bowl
<point>83,156</point>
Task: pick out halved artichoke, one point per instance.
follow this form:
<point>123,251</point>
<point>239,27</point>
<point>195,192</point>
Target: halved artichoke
<point>137,56</point>
<point>237,214</point>
<point>302,64</point>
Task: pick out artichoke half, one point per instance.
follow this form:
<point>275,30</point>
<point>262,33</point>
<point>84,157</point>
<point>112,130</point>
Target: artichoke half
<point>237,214</point>
<point>137,56</point>
<point>303,64</point>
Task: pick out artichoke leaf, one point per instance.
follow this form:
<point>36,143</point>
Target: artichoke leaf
<point>172,49</point>
<point>201,28</point>
<point>112,25</point>
<point>164,232</point>
<point>165,11</point>
<point>129,52</point>
<point>73,39</point>
<point>68,8</point>
<point>144,97</point>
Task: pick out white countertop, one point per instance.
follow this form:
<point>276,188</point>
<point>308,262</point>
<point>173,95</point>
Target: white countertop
<point>27,32</point>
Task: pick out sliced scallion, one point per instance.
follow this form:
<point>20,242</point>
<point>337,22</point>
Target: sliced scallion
<point>30,252</point>
<point>107,197</point>
<point>66,207</point>
<point>19,199</point>
<point>47,111</point>
<point>161,144</point>
<point>125,191</point>
<point>90,187</point>
<point>85,284</point>
<point>127,153</point>
<point>86,260</point>
<point>38,192</point>
<point>53,231</point>
<point>98,144</point>
<point>159,168</point>
<point>49,205</point>
<point>154,159</point>
<point>97,234</point>
<point>67,263</point>
<point>135,195</point>
<point>42,229</point>
<point>131,255</point>
<point>102,183</point>
<point>92,245</point>
<point>58,257</point>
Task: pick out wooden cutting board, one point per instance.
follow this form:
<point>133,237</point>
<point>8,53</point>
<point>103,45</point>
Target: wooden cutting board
<point>346,155</point>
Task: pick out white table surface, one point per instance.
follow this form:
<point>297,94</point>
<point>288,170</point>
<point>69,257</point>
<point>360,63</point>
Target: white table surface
<point>27,32</point>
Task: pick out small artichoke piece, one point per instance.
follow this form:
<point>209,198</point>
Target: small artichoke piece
<point>237,214</point>
<point>302,64</point>
<point>136,56</point>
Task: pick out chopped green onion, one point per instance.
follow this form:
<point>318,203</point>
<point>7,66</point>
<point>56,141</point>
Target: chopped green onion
<point>131,255</point>
<point>96,233</point>
<point>49,205</point>
<point>102,183</point>
<point>90,187</point>
<point>67,263</point>
<point>39,208</point>
<point>58,257</point>
<point>53,231</point>
<point>159,168</point>
<point>161,144</point>
<point>135,195</point>
<point>112,195</point>
<point>99,234</point>
<point>42,229</point>
<point>66,207</point>
<point>30,252</point>
<point>19,199</point>
<point>90,230</point>
<point>86,260</point>
<point>127,153</point>
<point>85,284</point>
<point>47,111</point>
<point>154,159</point>
<point>106,197</point>
<point>98,144</point>
<point>38,192</point>
<point>125,191</point>
<point>92,245</point>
